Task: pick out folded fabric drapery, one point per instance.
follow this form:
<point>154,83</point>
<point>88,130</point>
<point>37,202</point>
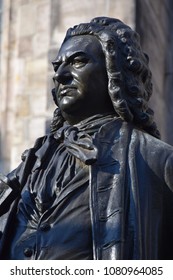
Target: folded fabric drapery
<point>78,140</point>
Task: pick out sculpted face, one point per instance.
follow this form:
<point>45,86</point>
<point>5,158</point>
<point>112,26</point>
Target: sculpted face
<point>80,78</point>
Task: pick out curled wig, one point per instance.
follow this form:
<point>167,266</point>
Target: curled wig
<point>129,76</point>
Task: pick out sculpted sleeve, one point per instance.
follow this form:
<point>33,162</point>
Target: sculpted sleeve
<point>9,190</point>
<point>12,184</point>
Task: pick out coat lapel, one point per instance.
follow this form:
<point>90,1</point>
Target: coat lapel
<point>108,188</point>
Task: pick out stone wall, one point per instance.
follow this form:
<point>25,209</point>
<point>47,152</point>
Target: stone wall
<point>154,21</point>
<point>25,41</point>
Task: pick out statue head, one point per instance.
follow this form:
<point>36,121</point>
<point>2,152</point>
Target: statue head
<point>127,78</point>
<point>81,79</point>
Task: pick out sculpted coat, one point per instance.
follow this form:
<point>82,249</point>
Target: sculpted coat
<point>130,195</point>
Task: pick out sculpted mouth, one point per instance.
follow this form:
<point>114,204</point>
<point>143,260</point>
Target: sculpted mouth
<point>66,91</point>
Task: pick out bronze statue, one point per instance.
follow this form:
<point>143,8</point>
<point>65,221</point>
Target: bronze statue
<point>99,185</point>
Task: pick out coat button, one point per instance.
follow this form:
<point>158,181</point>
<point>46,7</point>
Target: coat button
<point>28,252</point>
<point>45,227</point>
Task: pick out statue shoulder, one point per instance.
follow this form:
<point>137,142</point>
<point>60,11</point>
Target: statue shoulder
<point>37,145</point>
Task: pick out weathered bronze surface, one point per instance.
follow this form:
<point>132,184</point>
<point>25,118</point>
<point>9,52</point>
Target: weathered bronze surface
<point>99,185</point>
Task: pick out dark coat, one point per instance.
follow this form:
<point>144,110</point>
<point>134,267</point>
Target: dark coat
<point>131,199</point>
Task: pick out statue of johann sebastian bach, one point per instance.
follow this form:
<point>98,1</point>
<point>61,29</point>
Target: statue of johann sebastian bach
<point>99,186</point>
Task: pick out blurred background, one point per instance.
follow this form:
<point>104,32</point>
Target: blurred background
<point>31,32</point>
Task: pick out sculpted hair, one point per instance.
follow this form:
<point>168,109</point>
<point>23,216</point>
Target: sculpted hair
<point>129,76</point>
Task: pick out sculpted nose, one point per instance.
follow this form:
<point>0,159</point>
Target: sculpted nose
<point>63,75</point>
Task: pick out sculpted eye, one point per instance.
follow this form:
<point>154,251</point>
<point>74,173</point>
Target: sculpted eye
<point>79,61</point>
